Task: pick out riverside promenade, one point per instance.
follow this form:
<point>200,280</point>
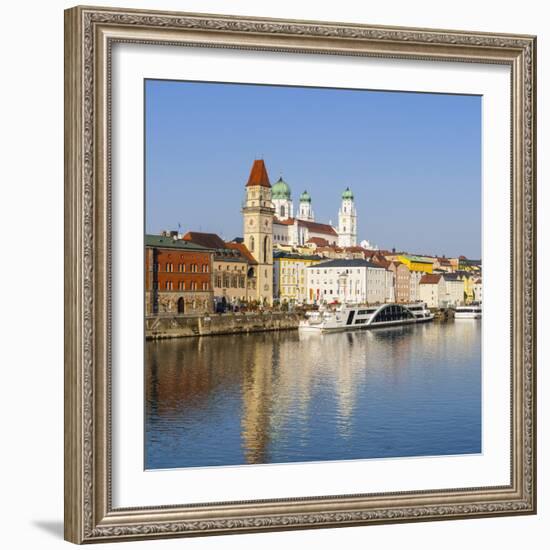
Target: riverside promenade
<point>164,326</point>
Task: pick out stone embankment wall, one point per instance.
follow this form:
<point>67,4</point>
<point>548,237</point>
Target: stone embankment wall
<point>180,326</point>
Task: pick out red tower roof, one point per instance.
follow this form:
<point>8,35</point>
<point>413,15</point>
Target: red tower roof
<point>258,175</point>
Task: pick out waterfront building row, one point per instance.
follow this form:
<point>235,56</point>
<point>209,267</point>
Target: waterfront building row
<point>275,261</point>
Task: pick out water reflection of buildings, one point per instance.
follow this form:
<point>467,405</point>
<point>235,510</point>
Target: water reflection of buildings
<point>256,404</point>
<point>281,388</point>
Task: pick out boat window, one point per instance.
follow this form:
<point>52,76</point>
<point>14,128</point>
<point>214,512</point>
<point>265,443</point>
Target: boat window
<point>392,313</point>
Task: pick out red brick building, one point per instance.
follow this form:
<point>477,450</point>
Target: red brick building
<point>178,276</point>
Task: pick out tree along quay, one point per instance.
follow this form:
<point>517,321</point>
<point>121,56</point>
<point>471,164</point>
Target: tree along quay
<point>182,326</point>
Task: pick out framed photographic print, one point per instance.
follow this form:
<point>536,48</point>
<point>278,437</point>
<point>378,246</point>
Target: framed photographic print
<point>300,274</point>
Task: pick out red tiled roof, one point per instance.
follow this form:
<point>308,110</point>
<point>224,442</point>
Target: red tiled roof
<point>258,175</point>
<point>381,262</point>
<point>288,221</point>
<point>318,227</point>
<point>208,240</point>
<point>319,241</point>
<point>355,249</point>
<point>430,279</point>
<point>241,247</point>
<point>329,248</point>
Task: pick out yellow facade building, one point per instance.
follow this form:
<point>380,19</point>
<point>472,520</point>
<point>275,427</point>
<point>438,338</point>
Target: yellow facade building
<point>417,263</point>
<point>289,276</point>
<point>469,286</point>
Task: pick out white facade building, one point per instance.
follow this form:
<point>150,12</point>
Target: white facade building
<point>416,276</point>
<point>346,281</point>
<point>376,283</point>
<point>454,290</point>
<point>281,232</point>
<point>390,286</point>
<point>432,290</point>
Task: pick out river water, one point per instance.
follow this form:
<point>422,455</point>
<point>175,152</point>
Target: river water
<point>277,397</point>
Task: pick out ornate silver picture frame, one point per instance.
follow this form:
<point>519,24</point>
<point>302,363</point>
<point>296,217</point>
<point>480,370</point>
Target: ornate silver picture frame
<point>90,34</point>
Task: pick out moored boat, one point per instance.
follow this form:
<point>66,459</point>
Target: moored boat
<point>346,317</point>
<point>468,312</point>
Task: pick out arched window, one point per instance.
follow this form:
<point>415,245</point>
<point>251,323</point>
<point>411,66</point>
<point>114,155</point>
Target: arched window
<point>392,313</point>
<point>251,244</point>
<point>266,248</point>
<point>282,211</point>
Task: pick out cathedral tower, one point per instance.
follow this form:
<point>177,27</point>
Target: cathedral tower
<point>258,229</point>
<point>282,201</point>
<point>306,212</point>
<point>347,220</point>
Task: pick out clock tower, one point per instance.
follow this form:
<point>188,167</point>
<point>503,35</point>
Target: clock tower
<point>258,214</point>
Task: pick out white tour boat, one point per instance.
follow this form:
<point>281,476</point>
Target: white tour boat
<point>468,312</point>
<point>347,317</point>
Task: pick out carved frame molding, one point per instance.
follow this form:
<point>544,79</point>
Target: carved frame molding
<point>89,35</point>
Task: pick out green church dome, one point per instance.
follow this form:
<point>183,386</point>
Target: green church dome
<point>280,190</point>
<point>305,197</point>
<point>347,194</point>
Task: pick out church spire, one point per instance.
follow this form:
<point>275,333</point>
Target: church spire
<point>258,175</point>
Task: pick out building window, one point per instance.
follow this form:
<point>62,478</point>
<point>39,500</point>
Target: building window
<point>169,285</point>
<point>251,244</point>
<point>205,286</point>
<point>266,249</point>
<point>181,285</point>
<point>205,268</point>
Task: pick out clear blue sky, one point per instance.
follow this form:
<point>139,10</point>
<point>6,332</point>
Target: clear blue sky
<point>412,160</point>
